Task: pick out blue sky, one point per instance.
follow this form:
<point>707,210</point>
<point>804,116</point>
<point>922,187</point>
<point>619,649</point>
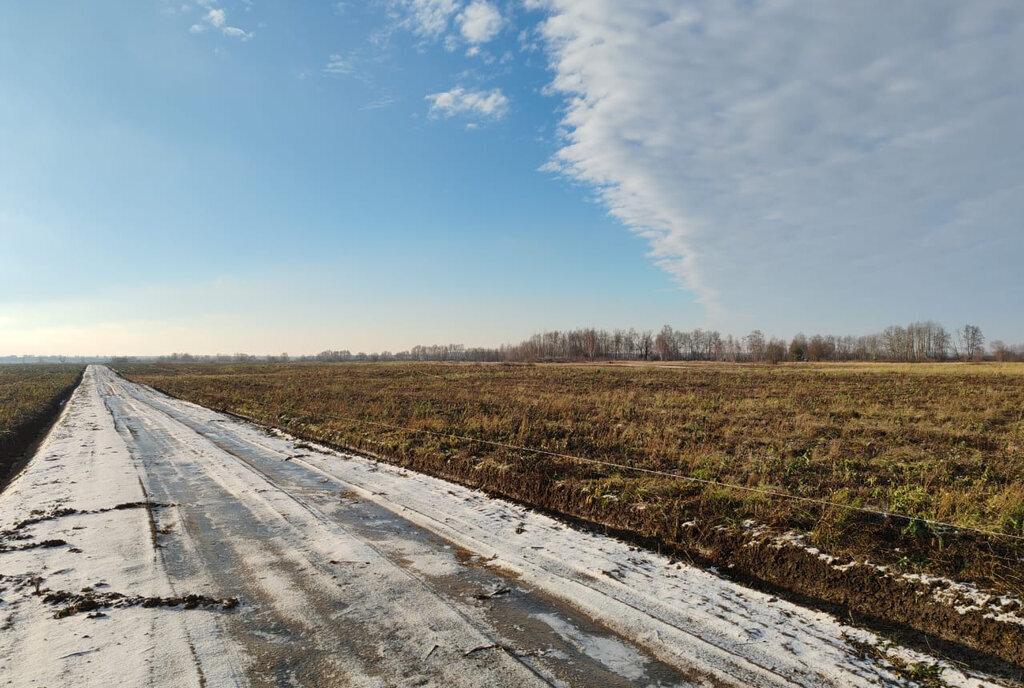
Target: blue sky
<point>266,176</point>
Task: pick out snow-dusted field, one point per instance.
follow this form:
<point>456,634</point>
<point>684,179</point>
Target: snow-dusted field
<point>351,572</point>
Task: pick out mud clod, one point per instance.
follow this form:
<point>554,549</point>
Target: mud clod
<point>41,516</point>
<point>35,545</point>
<point>136,505</point>
<point>77,603</point>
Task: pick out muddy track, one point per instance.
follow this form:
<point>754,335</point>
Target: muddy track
<point>307,610</point>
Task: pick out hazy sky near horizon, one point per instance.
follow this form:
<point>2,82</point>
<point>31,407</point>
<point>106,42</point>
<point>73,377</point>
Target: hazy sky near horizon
<point>266,176</point>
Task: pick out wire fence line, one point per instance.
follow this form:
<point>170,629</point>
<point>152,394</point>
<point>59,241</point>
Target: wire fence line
<point>692,479</point>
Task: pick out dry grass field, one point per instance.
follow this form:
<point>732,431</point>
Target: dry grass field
<point>30,396</point>
<point>926,441</point>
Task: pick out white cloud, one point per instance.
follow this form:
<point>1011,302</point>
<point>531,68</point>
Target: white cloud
<point>479,22</point>
<point>236,32</point>
<point>772,149</point>
<point>338,65</point>
<point>427,18</point>
<point>216,17</point>
<point>473,104</point>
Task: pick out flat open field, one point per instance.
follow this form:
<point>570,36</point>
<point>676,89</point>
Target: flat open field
<point>30,397</point>
<point>941,442</point>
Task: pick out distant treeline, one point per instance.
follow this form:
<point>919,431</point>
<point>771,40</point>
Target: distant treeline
<point>917,342</point>
<point>30,359</point>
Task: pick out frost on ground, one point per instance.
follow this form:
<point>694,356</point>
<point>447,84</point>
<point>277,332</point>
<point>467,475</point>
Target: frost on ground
<point>961,597</point>
<point>309,566</point>
<point>82,495</point>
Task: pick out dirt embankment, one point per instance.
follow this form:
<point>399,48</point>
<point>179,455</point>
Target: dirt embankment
<point>18,441</point>
<point>937,613</point>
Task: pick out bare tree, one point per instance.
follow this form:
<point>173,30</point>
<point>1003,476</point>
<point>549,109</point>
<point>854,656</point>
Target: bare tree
<point>716,346</point>
<point>644,344</point>
<point>665,344</point>
<point>1000,350</point>
<point>820,348</point>
<point>732,348</point>
<point>590,343</point>
<point>972,342</point>
<point>755,344</point>
<point>775,351</point>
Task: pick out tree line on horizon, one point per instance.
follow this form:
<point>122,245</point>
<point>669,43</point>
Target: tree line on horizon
<point>918,342</point>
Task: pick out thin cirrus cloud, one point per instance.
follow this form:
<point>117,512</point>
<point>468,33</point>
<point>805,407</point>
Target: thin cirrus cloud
<point>336,64</point>
<point>772,149</point>
<point>473,105</point>
<point>425,18</point>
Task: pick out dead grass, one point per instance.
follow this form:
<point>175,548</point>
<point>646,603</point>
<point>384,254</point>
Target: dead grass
<point>942,442</point>
<point>29,398</point>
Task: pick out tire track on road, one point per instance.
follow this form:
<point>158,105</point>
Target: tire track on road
<point>212,458</point>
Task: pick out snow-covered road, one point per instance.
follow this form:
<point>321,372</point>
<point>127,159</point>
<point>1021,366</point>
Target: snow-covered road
<point>351,572</point>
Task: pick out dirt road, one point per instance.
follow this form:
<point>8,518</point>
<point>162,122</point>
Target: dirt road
<point>180,547</point>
